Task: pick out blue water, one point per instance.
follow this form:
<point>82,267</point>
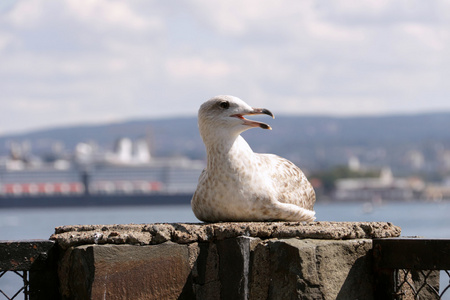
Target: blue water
<point>415,218</point>
<point>430,220</point>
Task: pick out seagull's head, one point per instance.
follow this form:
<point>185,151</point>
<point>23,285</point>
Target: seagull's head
<point>225,115</point>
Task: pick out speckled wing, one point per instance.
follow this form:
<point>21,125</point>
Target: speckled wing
<point>289,181</point>
<point>202,176</point>
<point>200,185</point>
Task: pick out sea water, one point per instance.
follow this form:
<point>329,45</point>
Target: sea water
<point>431,220</point>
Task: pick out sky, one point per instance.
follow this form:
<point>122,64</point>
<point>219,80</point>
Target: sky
<point>73,62</point>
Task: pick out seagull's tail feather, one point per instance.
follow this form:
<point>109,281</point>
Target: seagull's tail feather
<point>307,215</point>
<point>294,213</point>
<point>302,215</point>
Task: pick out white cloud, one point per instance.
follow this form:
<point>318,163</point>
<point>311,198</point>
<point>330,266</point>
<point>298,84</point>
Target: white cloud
<point>26,14</point>
<point>5,40</point>
<point>99,14</point>
<point>184,68</point>
<point>238,18</point>
<point>107,59</point>
<point>428,36</point>
<point>341,106</point>
<point>295,19</point>
<point>105,13</point>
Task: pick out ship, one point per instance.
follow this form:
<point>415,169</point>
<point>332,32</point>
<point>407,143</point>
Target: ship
<point>128,175</point>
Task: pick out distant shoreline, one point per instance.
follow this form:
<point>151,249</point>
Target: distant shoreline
<point>94,200</point>
<point>58,201</point>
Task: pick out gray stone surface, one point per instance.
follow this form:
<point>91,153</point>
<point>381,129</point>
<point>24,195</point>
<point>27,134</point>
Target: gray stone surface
<point>151,234</point>
<point>205,271</point>
<point>234,266</point>
<point>312,269</point>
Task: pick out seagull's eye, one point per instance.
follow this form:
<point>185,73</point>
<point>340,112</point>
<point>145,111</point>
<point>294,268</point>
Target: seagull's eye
<point>224,104</point>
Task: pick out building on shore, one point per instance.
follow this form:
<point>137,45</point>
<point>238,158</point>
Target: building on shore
<point>438,192</point>
<point>384,187</point>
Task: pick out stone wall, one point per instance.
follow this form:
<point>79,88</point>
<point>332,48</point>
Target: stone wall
<point>318,260</point>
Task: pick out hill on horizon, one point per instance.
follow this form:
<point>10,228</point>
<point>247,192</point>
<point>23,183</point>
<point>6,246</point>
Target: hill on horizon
<point>311,141</point>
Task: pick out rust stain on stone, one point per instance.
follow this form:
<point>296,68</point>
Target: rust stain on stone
<point>135,272</point>
<point>14,262</point>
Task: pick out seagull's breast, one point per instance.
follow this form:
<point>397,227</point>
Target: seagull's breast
<point>232,185</point>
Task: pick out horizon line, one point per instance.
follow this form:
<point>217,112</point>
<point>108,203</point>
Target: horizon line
<point>11,133</point>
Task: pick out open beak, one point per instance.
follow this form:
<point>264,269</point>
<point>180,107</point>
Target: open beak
<point>255,111</point>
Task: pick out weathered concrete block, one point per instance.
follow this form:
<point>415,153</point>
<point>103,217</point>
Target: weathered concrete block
<point>221,269</point>
<point>312,269</point>
<point>260,272</point>
<point>205,271</point>
<point>127,272</point>
<point>273,260</point>
<point>234,267</point>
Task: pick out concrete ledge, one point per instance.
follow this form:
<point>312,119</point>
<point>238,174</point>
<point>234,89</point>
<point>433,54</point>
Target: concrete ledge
<point>270,260</point>
<point>185,233</point>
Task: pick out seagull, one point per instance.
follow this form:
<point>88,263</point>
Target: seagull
<point>238,184</point>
